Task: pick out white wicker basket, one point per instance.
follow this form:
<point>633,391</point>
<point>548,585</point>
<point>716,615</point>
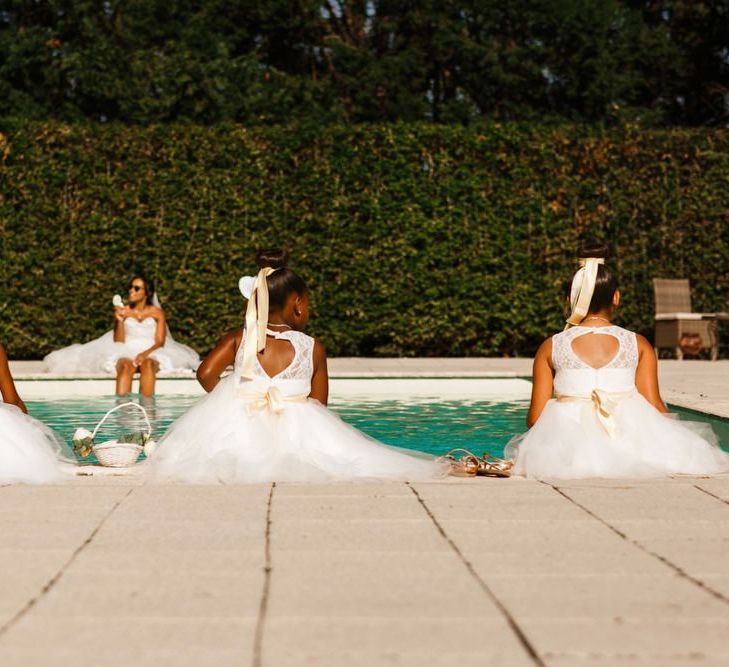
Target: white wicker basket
<point>117,454</point>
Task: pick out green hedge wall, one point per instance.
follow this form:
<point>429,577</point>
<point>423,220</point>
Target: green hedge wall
<point>415,239</point>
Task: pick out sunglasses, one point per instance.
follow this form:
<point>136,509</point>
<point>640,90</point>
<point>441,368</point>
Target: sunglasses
<point>136,288</point>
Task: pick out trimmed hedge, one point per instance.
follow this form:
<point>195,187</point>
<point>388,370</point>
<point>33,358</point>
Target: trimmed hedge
<point>415,239</point>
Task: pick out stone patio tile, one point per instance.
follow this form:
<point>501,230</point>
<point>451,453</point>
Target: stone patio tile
<point>342,489</point>
<point>554,560</point>
<point>357,535</point>
<point>345,508</point>
<point>93,634</point>
<point>181,534</point>
<point>606,597</point>
<point>156,594</point>
<point>234,561</point>
<point>659,640</point>
<point>398,585</point>
<point>683,503</point>
<point>419,641</point>
<point>139,655</point>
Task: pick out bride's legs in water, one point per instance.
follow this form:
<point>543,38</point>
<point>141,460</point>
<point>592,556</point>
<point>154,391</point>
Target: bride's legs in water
<point>124,373</point>
<point>147,377</point>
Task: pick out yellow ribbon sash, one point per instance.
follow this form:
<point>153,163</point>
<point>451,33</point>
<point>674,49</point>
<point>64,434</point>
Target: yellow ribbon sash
<point>254,340</point>
<point>584,281</point>
<point>604,404</point>
<point>273,399</point>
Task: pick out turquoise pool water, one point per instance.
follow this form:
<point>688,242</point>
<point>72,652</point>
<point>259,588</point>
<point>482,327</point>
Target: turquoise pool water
<point>430,427</point>
<point>481,426</point>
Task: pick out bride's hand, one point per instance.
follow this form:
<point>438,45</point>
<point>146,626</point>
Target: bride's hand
<point>121,312</point>
<point>139,359</point>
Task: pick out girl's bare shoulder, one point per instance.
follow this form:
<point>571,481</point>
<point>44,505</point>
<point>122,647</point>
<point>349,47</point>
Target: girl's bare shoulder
<point>545,348</point>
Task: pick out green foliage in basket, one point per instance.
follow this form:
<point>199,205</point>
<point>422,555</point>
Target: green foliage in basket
<point>415,239</point>
<point>83,443</point>
<point>136,438</point>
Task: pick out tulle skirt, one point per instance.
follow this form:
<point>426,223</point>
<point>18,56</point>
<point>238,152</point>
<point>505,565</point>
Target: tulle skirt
<point>101,354</point>
<point>569,442</point>
<point>219,440</point>
<point>29,451</point>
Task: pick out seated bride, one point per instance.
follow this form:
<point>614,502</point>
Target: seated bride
<point>140,342</point>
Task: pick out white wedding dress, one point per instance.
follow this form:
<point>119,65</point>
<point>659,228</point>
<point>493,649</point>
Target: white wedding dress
<point>266,429</point>
<point>100,355</point>
<point>29,451</point>
<point>600,426</point>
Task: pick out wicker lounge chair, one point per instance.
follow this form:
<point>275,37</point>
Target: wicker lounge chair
<point>675,318</point>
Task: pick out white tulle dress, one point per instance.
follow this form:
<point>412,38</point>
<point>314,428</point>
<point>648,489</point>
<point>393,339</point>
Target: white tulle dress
<point>100,355</point>
<point>266,429</point>
<point>29,451</point>
<point>600,426</point>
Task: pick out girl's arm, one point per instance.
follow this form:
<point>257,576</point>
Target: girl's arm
<point>542,382</point>
<point>222,356</point>
<point>320,378</point>
<point>646,375</point>
<point>120,313</point>
<point>7,386</point>
<point>160,334</point>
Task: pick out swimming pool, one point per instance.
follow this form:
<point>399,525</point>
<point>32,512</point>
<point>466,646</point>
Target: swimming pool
<point>425,424</point>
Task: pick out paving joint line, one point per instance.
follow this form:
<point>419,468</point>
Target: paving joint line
<point>713,495</point>
<point>263,606</point>
<point>57,577</point>
<point>676,568</point>
<point>511,621</point>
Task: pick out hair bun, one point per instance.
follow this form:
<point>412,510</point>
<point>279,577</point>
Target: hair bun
<point>275,258</point>
<point>592,248</point>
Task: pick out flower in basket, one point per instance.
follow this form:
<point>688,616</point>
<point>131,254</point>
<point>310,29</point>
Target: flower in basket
<point>141,439</point>
<point>83,442</point>
<point>149,446</point>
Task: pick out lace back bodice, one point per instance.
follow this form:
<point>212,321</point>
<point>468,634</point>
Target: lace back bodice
<point>576,377</point>
<point>302,365</point>
<point>564,356</point>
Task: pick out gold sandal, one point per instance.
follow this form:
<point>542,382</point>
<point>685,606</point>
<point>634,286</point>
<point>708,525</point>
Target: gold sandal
<point>492,466</point>
<point>466,466</point>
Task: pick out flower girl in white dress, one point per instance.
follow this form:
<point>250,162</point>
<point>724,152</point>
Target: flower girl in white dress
<point>29,451</point>
<point>596,410</point>
<point>267,420</point>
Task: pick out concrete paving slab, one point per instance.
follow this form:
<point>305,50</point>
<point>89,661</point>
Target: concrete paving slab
<point>345,508</point>
<point>465,640</point>
<point>555,560</point>
<point>698,558</point>
<point>362,574</point>
<point>145,655</point>
<point>342,489</point>
<point>356,535</point>
<point>181,534</point>
<point>518,536</point>
<point>650,502</point>
<point>171,594</point>
<point>93,635</point>
<point>160,559</point>
<point>659,642</point>
<point>605,596</point>
<point>399,586</point>
<point>644,660</point>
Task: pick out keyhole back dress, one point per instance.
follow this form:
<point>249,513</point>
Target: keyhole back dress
<point>268,429</point>
<point>599,425</point>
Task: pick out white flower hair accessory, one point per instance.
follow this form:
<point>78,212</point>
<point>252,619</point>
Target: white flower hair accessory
<point>245,285</point>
